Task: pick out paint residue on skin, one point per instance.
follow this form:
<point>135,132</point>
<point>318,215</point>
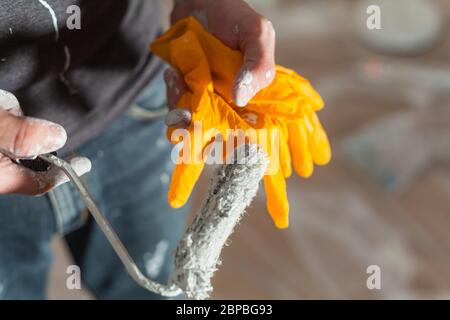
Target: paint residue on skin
<point>246,79</point>
<point>53,15</point>
<point>170,76</point>
<point>236,29</point>
<point>55,177</point>
<point>178,117</point>
<point>244,88</point>
<point>55,139</point>
<point>8,101</point>
<point>170,83</point>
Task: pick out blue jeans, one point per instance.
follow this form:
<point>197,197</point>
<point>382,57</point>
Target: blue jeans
<point>129,180</point>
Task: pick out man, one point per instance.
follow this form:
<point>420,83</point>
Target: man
<point>99,86</point>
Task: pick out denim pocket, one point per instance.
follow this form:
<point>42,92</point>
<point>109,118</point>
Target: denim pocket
<point>152,102</point>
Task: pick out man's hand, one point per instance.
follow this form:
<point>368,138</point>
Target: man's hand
<point>237,25</point>
<point>22,137</point>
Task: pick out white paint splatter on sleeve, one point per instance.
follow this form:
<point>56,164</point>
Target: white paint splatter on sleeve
<point>67,58</point>
<point>53,15</point>
<point>62,74</point>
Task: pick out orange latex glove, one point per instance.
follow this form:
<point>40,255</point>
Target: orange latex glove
<point>285,109</point>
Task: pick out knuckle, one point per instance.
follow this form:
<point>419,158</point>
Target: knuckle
<point>266,26</point>
<point>22,137</point>
<point>254,26</point>
<point>268,31</point>
<point>260,28</point>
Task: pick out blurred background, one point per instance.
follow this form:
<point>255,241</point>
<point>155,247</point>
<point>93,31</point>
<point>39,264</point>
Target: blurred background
<point>385,198</point>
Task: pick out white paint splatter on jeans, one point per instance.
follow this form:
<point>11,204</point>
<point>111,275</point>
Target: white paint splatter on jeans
<point>155,261</point>
<point>165,179</point>
<point>2,289</point>
<point>161,143</point>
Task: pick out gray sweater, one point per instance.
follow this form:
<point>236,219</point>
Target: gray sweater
<point>82,78</point>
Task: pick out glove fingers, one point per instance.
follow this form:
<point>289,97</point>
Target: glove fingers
<point>319,144</point>
<point>186,172</point>
<point>277,202</point>
<point>298,143</point>
<point>285,155</point>
<point>184,178</point>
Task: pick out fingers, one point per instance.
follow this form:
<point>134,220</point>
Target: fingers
<point>10,103</point>
<point>176,87</point>
<point>319,145</point>
<point>56,177</point>
<point>20,180</point>
<point>184,175</point>
<point>178,118</point>
<point>29,137</point>
<point>285,155</point>
<point>301,155</point>
<point>184,178</point>
<point>277,202</point>
<point>257,42</point>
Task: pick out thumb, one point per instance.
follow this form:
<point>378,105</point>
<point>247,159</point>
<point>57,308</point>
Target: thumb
<point>9,102</point>
<point>29,137</point>
<point>258,69</point>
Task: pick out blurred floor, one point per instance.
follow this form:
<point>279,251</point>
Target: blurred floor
<point>341,221</point>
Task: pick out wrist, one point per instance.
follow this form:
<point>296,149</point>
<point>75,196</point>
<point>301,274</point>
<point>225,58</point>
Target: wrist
<point>190,5</point>
<point>191,2</point>
<point>185,8</point>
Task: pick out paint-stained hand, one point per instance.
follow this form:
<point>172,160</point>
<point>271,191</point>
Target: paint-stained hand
<point>240,27</point>
<point>24,137</point>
